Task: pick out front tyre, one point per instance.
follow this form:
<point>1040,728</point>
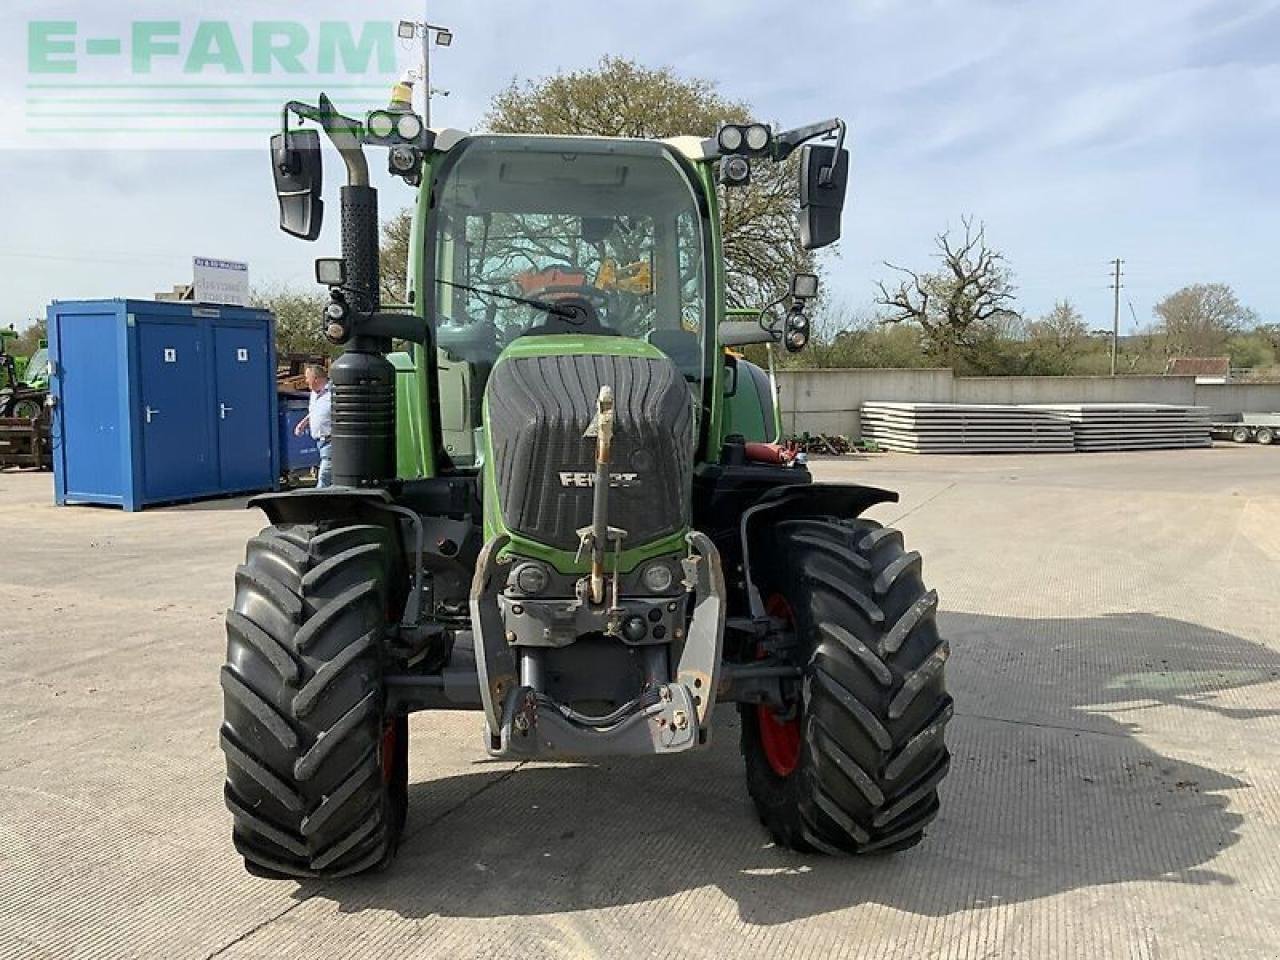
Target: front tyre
<point>316,776</point>
<point>854,764</point>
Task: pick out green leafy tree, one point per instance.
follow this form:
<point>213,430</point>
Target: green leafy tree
<point>299,320</point>
<point>1199,320</point>
<point>1058,340</point>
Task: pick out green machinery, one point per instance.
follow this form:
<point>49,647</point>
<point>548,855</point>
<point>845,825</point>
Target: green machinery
<point>547,507</point>
<point>23,395</point>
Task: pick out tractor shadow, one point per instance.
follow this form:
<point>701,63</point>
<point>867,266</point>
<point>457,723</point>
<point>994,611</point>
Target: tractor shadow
<point>1052,789</point>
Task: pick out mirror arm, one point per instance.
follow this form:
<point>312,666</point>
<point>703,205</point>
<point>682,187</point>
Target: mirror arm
<point>343,132</point>
<point>786,143</point>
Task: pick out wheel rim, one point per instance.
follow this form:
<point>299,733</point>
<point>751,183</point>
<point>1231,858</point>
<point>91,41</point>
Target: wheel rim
<point>779,738</point>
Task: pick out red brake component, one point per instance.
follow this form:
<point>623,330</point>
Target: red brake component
<point>780,738</point>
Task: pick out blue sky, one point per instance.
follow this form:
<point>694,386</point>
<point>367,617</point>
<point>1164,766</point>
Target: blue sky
<point>1078,131</point>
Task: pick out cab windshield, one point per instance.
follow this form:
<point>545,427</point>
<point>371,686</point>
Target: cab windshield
<point>609,231</point>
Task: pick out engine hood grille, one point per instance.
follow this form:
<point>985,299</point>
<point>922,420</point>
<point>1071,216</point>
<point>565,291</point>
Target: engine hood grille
<point>538,409</point>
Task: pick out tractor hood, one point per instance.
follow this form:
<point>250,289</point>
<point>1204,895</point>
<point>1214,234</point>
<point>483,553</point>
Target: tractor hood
<point>539,405</point>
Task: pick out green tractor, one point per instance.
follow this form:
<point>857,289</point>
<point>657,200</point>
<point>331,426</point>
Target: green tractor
<point>542,510</point>
<point>24,395</point>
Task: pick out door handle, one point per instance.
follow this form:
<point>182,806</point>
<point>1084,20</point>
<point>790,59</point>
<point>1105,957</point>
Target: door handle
<point>150,412</point>
<point>222,411</point>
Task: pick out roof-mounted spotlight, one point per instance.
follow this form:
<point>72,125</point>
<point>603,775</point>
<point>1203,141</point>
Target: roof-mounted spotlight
<point>748,139</point>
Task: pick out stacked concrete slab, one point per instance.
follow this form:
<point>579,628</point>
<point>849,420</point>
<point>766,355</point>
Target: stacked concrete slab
<point>1033,428</point>
<point>1133,426</point>
<point>964,428</point>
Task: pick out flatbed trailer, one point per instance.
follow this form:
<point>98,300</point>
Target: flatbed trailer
<point>1263,428</point>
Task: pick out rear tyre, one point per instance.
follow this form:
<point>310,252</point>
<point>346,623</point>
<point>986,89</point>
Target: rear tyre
<point>1265,436</point>
<point>855,766</point>
<point>316,775</point>
<point>1240,434</point>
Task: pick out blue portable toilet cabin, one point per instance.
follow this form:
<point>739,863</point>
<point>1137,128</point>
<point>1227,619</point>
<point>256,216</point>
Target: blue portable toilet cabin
<point>158,401</point>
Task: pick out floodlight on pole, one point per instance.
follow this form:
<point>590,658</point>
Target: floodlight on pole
<point>409,29</point>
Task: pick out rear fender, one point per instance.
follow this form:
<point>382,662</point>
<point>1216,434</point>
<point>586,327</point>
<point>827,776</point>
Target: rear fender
<point>842,500</point>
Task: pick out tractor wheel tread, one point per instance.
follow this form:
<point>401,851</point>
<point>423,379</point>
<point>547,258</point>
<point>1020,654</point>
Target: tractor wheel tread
<point>916,680</point>
<point>837,551</point>
<point>241,628</point>
<point>262,827</point>
<point>276,592</point>
<point>366,769</point>
<point>868,607</point>
<point>829,747</point>
<point>856,709</point>
<point>259,707</point>
<point>306,698</point>
<point>920,611</point>
<point>362,832</point>
<point>889,576</point>
<point>864,654</point>
<point>309,789</point>
<point>327,741</point>
<point>332,610</point>
<point>924,738</point>
<point>313,580</point>
<point>877,537</point>
<point>873,704</point>
<point>283,794</point>
<point>912,795</point>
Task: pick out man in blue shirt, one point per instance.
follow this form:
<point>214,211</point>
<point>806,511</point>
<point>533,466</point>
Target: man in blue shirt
<point>319,420</point>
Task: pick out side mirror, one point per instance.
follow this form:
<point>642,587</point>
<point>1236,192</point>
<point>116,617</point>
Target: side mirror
<point>730,375</point>
<point>824,175</point>
<point>296,165</point>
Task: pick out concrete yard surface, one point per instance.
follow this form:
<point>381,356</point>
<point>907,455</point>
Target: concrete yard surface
<point>1114,790</point>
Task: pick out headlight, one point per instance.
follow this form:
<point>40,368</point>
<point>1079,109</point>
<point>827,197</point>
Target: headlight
<point>757,137</point>
<point>409,126</point>
<point>381,124</point>
<point>531,578</point>
<point>735,170</point>
<point>657,577</point>
<point>730,138</point>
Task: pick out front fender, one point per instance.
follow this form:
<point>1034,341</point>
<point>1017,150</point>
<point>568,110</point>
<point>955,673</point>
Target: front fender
<point>844,500</point>
<point>327,503</point>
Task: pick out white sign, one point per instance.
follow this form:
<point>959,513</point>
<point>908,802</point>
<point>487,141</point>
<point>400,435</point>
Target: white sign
<point>220,281</point>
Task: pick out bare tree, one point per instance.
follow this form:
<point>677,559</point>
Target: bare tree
<point>1199,320</point>
<point>961,306</point>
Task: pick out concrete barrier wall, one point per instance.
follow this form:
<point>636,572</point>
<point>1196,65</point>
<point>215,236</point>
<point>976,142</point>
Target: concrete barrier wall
<point>1179,390</point>
<point>1239,397</point>
<point>827,401</point>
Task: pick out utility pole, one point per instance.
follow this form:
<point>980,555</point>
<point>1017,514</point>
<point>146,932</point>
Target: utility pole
<point>1117,263</point>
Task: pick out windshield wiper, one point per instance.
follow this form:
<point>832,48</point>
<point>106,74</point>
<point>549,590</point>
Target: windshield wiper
<point>546,306</point>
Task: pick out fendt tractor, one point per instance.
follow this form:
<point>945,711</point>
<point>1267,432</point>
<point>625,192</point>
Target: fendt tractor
<point>547,508</point>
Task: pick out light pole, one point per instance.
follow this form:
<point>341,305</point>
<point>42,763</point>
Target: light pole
<point>407,30</point>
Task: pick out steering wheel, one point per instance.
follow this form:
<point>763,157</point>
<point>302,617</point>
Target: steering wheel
<point>582,301</point>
